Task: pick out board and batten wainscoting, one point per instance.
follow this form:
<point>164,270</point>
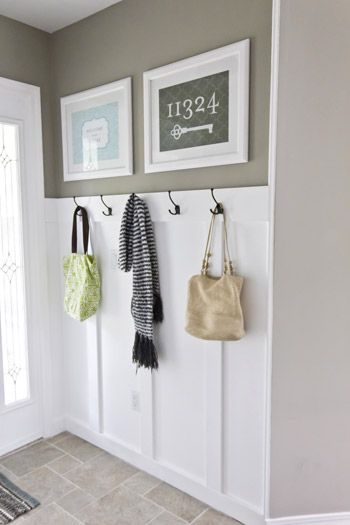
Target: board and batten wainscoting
<point>198,423</point>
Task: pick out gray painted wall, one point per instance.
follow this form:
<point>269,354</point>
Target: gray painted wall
<point>311,387</point>
<point>25,55</point>
<point>136,35</point>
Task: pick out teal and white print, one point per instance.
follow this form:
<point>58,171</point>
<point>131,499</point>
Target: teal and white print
<point>97,132</point>
<point>95,135</point>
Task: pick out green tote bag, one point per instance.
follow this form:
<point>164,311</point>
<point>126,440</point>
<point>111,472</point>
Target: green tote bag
<point>82,279</point>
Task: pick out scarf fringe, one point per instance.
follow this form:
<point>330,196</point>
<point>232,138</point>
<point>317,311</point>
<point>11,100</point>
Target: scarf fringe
<point>144,352</point>
<point>158,309</point>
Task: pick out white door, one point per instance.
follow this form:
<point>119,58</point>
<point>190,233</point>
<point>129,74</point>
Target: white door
<point>21,262</point>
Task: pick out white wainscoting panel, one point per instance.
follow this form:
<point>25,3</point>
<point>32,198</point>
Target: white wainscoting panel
<point>116,340</point>
<point>243,381</point>
<point>200,424</point>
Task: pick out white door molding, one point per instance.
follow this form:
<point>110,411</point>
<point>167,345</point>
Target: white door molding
<point>21,105</point>
<point>275,40</point>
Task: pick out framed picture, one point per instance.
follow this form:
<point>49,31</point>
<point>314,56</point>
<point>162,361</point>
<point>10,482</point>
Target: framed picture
<point>97,132</point>
<point>196,110</point>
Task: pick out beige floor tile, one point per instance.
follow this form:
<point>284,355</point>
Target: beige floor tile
<point>141,483</point>
<point>165,518</point>
<point>64,464</point>
<point>21,521</point>
<point>51,470</point>
<point>45,485</point>
<point>101,474</point>
<point>78,448</point>
<point>120,507</point>
<point>51,515</point>
<point>74,501</point>
<point>31,513</point>
<point>58,437</point>
<point>177,502</point>
<point>10,475</point>
<point>30,458</point>
<point>212,517</point>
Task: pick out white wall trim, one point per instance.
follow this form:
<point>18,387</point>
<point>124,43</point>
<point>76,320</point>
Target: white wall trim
<point>21,87</point>
<point>40,280</point>
<point>316,519</point>
<point>276,10</point>
<point>7,449</point>
<point>240,509</point>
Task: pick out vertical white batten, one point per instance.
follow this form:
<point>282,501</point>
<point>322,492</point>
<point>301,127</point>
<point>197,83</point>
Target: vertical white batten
<point>94,353</point>
<point>93,349</point>
<point>214,378</point>
<point>275,41</point>
<point>147,441</point>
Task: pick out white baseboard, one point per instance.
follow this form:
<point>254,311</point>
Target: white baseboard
<point>20,443</point>
<point>56,426</point>
<point>336,518</point>
<point>238,509</point>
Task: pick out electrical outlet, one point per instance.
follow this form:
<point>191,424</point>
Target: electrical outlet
<point>135,400</point>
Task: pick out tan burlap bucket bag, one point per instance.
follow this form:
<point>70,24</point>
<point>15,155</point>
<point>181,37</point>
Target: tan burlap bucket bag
<point>213,303</point>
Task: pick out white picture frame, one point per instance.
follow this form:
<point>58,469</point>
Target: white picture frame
<point>97,132</point>
<point>206,68</point>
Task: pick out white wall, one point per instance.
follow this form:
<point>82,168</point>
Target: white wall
<point>310,452</point>
<point>202,420</point>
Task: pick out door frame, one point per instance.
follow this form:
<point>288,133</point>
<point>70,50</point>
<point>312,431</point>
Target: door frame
<point>32,191</point>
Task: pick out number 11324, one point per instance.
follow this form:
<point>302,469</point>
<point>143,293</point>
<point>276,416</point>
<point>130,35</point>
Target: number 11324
<point>186,108</point>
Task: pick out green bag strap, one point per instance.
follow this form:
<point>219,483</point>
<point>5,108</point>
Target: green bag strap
<point>85,229</point>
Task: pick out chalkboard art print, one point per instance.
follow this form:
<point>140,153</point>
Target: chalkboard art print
<point>97,132</point>
<point>196,110</point>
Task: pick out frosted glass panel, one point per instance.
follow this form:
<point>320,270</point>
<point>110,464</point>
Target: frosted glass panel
<point>12,288</point>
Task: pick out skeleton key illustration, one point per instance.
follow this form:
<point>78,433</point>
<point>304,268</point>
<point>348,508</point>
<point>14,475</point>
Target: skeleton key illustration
<point>177,130</point>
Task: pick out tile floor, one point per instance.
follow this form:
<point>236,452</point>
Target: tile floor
<point>77,482</point>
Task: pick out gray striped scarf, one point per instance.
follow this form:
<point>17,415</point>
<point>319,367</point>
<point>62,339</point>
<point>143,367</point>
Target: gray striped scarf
<point>137,250</point>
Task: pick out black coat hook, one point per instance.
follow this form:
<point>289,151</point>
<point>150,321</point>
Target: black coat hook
<point>77,205</point>
<point>218,208</point>
<point>177,207</point>
<point>109,209</point>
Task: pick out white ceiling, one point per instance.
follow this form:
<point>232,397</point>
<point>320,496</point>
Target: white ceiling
<point>51,15</point>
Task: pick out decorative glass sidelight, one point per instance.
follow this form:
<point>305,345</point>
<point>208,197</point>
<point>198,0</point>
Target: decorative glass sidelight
<point>13,327</point>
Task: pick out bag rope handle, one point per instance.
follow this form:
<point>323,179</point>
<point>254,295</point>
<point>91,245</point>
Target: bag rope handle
<point>85,229</point>
<point>228,265</point>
